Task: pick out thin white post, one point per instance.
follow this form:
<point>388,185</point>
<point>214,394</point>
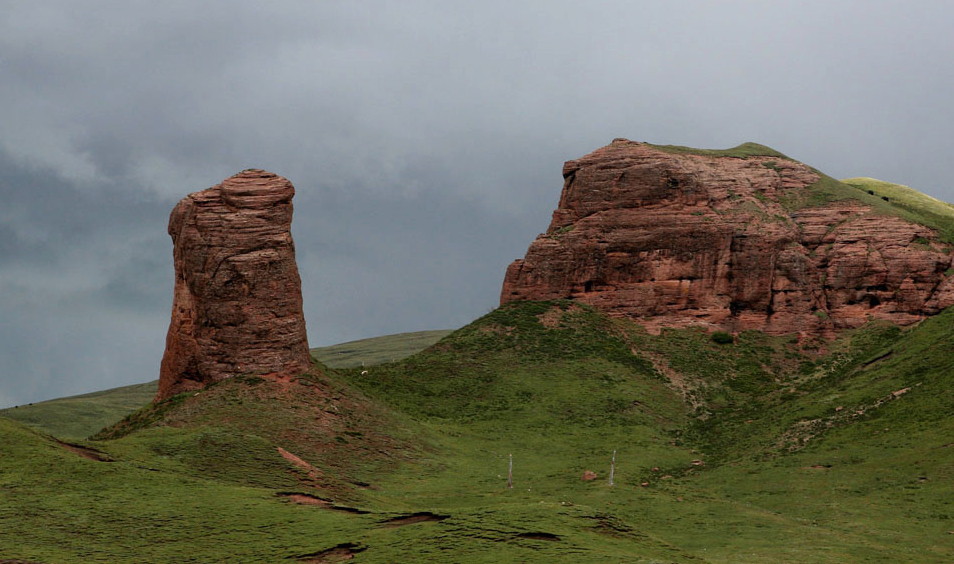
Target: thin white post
<point>612,468</point>
<point>510,473</point>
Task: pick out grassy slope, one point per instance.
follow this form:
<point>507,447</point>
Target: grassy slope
<point>830,442</point>
<point>433,433</point>
<point>377,350</point>
<point>884,197</point>
<point>561,400</point>
<point>918,207</point>
<point>864,446</point>
<point>77,417</point>
<point>60,507</point>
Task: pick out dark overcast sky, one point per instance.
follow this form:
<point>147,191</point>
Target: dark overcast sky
<point>425,139</point>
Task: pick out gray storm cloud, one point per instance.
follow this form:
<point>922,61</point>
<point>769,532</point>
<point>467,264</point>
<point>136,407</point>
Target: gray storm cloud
<point>425,140</point>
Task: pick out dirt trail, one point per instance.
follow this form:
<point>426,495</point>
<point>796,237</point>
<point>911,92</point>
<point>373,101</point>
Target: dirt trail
<point>86,452</point>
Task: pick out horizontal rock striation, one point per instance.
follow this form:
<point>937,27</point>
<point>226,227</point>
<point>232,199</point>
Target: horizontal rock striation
<point>237,306</point>
<point>733,243</point>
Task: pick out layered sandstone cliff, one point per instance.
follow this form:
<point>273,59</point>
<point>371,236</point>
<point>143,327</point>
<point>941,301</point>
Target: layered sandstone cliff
<point>675,239</point>
<point>237,306</point>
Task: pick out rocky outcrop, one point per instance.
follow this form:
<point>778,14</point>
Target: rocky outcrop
<point>237,305</point>
<point>674,239</point>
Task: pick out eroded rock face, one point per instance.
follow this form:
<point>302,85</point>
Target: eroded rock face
<point>676,240</point>
<point>237,306</point>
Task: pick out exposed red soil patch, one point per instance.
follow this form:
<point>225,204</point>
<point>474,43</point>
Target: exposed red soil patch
<point>307,499</point>
<point>285,382</point>
<point>312,472</point>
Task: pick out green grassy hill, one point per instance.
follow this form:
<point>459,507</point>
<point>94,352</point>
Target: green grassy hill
<point>377,350</point>
<point>758,450</point>
<point>77,417</point>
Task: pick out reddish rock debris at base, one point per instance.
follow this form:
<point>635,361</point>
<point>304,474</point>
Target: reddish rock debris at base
<point>677,240</point>
<point>237,307</point>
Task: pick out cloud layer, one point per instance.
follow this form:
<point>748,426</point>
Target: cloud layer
<point>425,140</point>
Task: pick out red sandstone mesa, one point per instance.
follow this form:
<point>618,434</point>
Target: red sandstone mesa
<point>676,240</point>
<point>237,306</point>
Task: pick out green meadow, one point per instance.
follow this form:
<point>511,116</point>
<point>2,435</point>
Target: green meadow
<point>754,449</point>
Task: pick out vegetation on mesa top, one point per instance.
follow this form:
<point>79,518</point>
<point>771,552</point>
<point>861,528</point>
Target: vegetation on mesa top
<point>912,205</point>
<point>744,150</point>
<point>884,197</point>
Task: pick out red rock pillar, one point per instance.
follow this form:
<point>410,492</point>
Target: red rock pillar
<point>237,306</point>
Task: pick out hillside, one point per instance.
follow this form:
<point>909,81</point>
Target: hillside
<point>377,350</point>
<point>752,449</point>
<point>77,417</point>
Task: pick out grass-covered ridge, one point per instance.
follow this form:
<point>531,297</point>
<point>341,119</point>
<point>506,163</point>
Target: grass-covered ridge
<point>757,449</point>
<point>377,350</point>
<point>883,197</point>
<point>910,204</point>
<point>77,417</point>
<point>745,150</point>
